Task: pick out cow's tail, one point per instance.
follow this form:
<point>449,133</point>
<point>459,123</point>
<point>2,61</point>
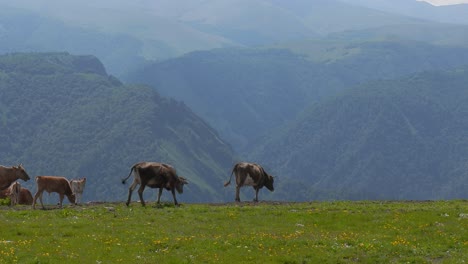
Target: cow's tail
<point>131,170</point>
<point>229,182</point>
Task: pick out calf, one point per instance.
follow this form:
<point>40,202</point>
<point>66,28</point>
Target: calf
<point>13,192</point>
<point>250,174</point>
<point>77,187</point>
<point>50,184</point>
<point>25,197</point>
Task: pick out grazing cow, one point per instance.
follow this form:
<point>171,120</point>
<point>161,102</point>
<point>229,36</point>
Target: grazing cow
<point>77,187</point>
<point>25,197</point>
<point>8,175</point>
<point>13,192</point>
<point>155,175</point>
<point>50,184</point>
<point>250,174</point>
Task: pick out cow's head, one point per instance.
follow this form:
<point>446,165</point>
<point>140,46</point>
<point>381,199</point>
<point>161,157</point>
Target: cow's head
<point>269,182</point>
<point>21,173</point>
<point>180,184</point>
<point>72,198</point>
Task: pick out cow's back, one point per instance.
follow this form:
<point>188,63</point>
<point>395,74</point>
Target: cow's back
<point>152,175</point>
<point>53,184</point>
<point>25,197</point>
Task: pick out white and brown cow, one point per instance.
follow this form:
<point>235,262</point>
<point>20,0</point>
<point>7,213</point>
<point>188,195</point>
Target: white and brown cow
<point>77,187</point>
<point>250,174</point>
<point>12,192</point>
<point>8,175</point>
<point>50,184</point>
<point>25,196</point>
<point>155,175</point>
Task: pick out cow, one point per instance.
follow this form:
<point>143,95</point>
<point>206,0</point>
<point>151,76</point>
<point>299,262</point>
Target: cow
<point>8,175</point>
<point>15,190</point>
<point>77,187</point>
<point>250,174</point>
<point>12,192</point>
<point>155,175</point>
<point>25,197</point>
<point>50,184</point>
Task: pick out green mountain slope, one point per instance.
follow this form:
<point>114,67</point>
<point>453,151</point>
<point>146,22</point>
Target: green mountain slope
<point>403,139</point>
<point>247,93</point>
<point>63,115</point>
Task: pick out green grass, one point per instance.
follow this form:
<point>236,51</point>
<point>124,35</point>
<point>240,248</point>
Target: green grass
<point>327,232</point>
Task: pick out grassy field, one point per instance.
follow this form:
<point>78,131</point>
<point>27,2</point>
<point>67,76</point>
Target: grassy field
<point>327,232</point>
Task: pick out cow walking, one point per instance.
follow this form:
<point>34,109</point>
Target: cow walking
<point>50,184</point>
<point>8,175</point>
<point>155,175</point>
<point>250,174</point>
<point>77,187</point>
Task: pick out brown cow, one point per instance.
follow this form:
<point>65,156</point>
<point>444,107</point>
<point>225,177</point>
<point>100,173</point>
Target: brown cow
<point>8,175</point>
<point>250,174</point>
<point>50,184</point>
<point>25,196</point>
<point>155,175</point>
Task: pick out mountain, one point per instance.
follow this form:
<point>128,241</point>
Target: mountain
<point>248,93</point>
<point>454,14</point>
<point>395,139</point>
<point>125,34</point>
<point>24,31</point>
<point>436,34</point>
<point>64,115</point>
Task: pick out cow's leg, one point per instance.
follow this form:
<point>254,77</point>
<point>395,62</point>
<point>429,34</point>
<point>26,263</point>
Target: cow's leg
<point>140,193</point>
<point>173,196</point>
<point>130,190</point>
<point>77,198</point>
<point>38,193</point>
<point>40,199</point>
<point>61,195</point>
<point>237,193</point>
<point>256,194</point>
<point>159,195</point>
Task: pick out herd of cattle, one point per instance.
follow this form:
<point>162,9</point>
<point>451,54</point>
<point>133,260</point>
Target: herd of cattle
<point>151,174</point>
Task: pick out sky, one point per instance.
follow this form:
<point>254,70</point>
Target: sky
<point>446,2</point>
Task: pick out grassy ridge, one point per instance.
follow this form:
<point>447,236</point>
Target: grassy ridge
<point>329,232</point>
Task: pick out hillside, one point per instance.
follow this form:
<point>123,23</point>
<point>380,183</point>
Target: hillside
<point>454,14</point>
<point>247,93</point>
<point>25,31</point>
<point>400,139</point>
<point>63,115</point>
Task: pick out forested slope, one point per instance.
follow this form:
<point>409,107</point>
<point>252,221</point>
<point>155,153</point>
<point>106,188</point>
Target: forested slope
<point>63,115</point>
<point>399,139</point>
<point>247,93</point>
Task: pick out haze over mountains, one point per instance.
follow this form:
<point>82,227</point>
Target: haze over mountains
<point>341,99</point>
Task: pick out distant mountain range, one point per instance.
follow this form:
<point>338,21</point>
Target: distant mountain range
<point>126,34</point>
